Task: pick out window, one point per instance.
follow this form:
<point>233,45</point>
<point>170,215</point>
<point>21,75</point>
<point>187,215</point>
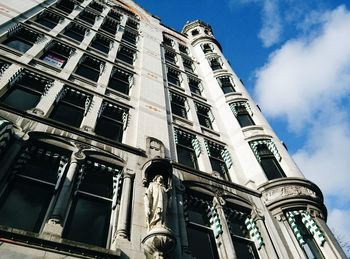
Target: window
<point>188,65</point>
<point>238,220</point>
<point>21,39</point>
<point>220,159</point>
<point>26,90</point>
<point>71,107</point>
<point>57,54</point>
<point>205,117</point>
<point>76,32</point>
<point>195,86</point>
<point>132,24</point>
<point>87,16</point>
<point>126,54</point>
<point>173,77</point>
<point>307,233</point>
<point>207,48</point>
<point>120,81</point>
<point>115,15</point>
<point>111,122</point>
<point>201,240</point>
<point>170,57</point>
<point>101,43</point>
<point>167,41</point>
<point>178,105</point>
<point>96,6</point>
<point>110,25</point>
<point>89,216</point>
<point>215,64</point>
<point>187,148</point>
<point>267,155</point>
<point>183,49</point>
<point>195,32</point>
<point>26,198</point>
<point>90,68</point>
<point>48,19</point>
<point>243,113</point>
<point>129,37</point>
<point>226,84</point>
<point>66,6</point>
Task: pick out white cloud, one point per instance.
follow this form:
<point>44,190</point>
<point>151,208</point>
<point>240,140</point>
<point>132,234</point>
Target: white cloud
<point>338,221</point>
<point>271,30</point>
<point>307,74</point>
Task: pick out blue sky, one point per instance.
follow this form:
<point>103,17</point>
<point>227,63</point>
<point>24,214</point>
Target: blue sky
<point>297,49</point>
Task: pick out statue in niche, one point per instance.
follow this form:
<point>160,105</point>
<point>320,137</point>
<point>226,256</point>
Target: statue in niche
<point>156,202</point>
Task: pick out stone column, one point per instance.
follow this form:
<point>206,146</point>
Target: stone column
<point>55,223</point>
<point>123,223</point>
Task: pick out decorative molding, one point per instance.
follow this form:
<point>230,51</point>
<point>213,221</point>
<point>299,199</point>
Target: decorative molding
<point>287,191</point>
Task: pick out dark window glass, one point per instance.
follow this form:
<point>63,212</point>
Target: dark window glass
<point>110,26</point>
<point>25,93</point>
<point>188,65</point>
<point>170,57</point>
<point>129,37</point>
<point>119,81</point>
<point>70,109</point>
<point>110,124</point>
<point>178,105</point>
<point>195,32</point>
<point>207,48</point>
<point>57,55</point>
<point>66,6</point>
<point>269,163</point>
<point>22,40</point>
<point>125,54</point>
<point>48,20</point>
<point>185,152</point>
<point>167,41</point>
<point>101,43</point>
<point>203,116</point>
<point>98,7</point>
<point>215,64</point>
<point>173,78</point>
<point>194,87</point>
<point>88,221</point>
<point>132,23</point>
<point>216,160</point>
<point>75,32</point>
<point>87,17</point>
<point>114,15</point>
<point>243,117</point>
<point>226,85</point>
<point>24,204</point>
<point>183,49</point>
<point>89,68</point>
<point>201,243</point>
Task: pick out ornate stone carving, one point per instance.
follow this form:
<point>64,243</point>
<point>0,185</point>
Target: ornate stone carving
<point>287,191</point>
<point>155,148</point>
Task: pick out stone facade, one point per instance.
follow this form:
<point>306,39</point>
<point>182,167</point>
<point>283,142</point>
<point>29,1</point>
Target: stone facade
<point>122,138</point>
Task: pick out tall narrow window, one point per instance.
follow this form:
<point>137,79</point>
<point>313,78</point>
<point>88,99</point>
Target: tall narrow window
<point>94,199</point>
<point>307,233</point>
<point>101,43</point>
<point>266,153</point>
<point>201,240</point>
<point>21,39</point>
<point>111,122</point>
<point>243,113</point>
<point>226,84</point>
<point>195,86</point>
<point>71,106</point>
<point>173,77</point>
<point>26,90</point>
<point>129,37</point>
<point>187,148</point>
<point>110,25</point>
<point>66,6</point>
<point>57,54</point>
<point>170,57</point>
<point>115,15</point>
<point>220,159</point>
<point>237,223</point>
<point>183,49</point>
<point>126,54</point>
<point>87,16</point>
<point>120,81</point>
<point>90,68</point>
<point>167,41</point>
<point>188,65</point>
<point>75,32</point>
<point>205,117</point>
<point>25,201</point>
<point>215,64</point>
<point>207,48</point>
<point>178,105</point>
<point>48,19</point>
<point>96,6</point>
<point>132,23</point>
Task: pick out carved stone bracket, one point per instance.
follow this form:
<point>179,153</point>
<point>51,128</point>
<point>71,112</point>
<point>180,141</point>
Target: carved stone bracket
<point>159,242</point>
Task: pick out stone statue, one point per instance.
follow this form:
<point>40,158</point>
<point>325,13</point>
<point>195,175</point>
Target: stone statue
<point>156,202</point>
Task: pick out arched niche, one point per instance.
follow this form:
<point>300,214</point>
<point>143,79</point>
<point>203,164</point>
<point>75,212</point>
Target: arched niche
<point>157,166</point>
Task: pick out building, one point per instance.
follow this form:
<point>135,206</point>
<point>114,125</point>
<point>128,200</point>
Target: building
<point>122,138</point>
